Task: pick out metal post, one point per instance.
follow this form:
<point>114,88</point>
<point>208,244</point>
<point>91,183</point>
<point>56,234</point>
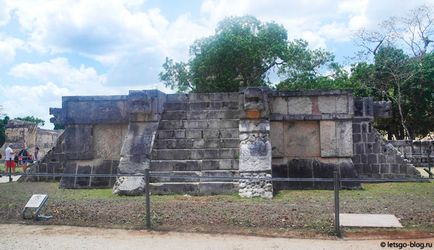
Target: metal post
<point>336,189</point>
<point>429,165</point>
<point>147,200</point>
<point>10,174</point>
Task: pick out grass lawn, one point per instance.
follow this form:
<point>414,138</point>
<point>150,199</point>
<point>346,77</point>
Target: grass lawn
<point>291,213</point>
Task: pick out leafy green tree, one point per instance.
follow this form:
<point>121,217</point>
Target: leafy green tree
<point>32,119</point>
<point>419,97</point>
<point>401,71</point>
<point>306,69</point>
<point>3,123</point>
<point>406,81</point>
<point>303,66</point>
<point>241,53</point>
<point>57,127</point>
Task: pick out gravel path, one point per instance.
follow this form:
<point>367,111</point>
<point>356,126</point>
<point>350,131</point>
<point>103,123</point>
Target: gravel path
<point>14,236</point>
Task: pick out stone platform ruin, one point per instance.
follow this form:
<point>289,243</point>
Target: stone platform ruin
<point>253,132</point>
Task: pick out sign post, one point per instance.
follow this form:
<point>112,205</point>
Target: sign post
<point>35,205</point>
<point>10,174</point>
<point>147,200</point>
<point>336,189</point>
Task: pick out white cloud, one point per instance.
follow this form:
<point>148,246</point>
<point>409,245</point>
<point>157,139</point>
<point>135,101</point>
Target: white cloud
<point>301,18</point>
<point>180,34</point>
<point>121,35</point>
<point>88,27</point>
<point>4,12</point>
<point>22,100</point>
<point>334,31</point>
<point>8,46</point>
<point>103,30</point>
<point>111,30</point>
<point>127,38</point>
<point>314,39</point>
<point>59,71</point>
<point>7,53</point>
<point>316,21</point>
<point>52,80</point>
<point>353,7</point>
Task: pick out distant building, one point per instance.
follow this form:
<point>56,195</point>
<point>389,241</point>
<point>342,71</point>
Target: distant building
<point>20,133</point>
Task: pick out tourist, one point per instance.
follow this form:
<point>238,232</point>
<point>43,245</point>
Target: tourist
<point>24,157</point>
<point>36,157</point>
<point>9,155</point>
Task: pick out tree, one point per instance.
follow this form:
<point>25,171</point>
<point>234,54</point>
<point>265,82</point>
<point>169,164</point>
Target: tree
<point>240,54</point>
<point>37,121</point>
<point>302,65</point>
<point>413,33</point>
<point>58,127</point>
<point>402,51</point>
<point>387,76</point>
<point>420,117</point>
<point>305,68</point>
<point>3,123</point>
<point>405,81</point>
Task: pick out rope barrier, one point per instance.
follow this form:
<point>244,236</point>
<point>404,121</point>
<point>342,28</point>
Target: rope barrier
<point>225,178</point>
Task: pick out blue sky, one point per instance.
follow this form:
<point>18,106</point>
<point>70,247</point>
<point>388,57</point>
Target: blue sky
<point>49,49</point>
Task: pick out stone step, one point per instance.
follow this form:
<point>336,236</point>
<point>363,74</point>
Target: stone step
<point>194,154</point>
<point>196,188</point>
<point>192,176</point>
<point>201,106</point>
<point>198,124</point>
<point>203,97</point>
<point>200,115</point>
<point>194,165</point>
<point>198,133</point>
<point>196,143</point>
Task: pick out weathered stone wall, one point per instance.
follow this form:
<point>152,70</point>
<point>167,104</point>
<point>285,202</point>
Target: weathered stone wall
<point>373,157</point>
<point>295,139</point>
<point>19,133</point>
<point>52,163</point>
<point>106,135</point>
<point>91,143</point>
<point>107,140</point>
<point>91,110</point>
<point>311,136</point>
<point>46,140</point>
<point>144,109</point>
<point>419,153</point>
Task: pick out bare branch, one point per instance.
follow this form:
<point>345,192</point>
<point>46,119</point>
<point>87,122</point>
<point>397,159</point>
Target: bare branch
<point>414,33</point>
<point>371,41</point>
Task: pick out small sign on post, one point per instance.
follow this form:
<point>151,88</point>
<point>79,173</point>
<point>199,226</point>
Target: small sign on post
<point>34,207</point>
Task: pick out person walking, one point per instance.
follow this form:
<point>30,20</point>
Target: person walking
<point>24,157</point>
<point>36,157</point>
<point>9,155</point>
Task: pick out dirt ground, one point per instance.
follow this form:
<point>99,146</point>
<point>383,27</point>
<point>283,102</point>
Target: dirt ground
<point>67,237</point>
<point>300,214</point>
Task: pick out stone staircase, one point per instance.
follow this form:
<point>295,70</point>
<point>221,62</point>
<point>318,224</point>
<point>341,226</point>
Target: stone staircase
<point>197,137</point>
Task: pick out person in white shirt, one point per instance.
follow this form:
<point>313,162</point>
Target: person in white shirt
<point>10,155</point>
